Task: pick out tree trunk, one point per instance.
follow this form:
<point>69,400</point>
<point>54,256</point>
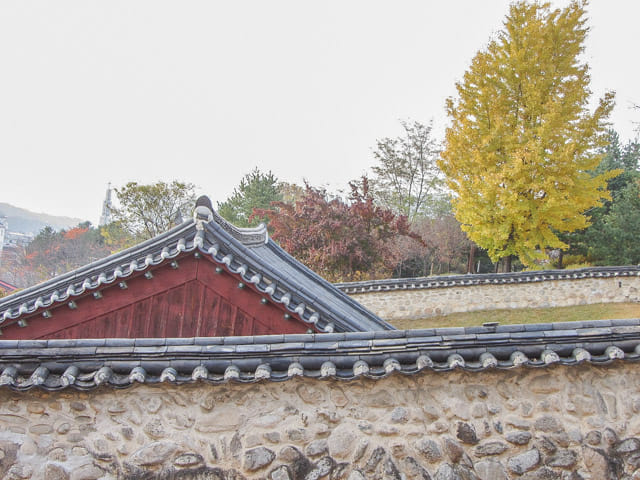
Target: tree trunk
<point>507,264</point>
<point>560,258</point>
<point>471,264</point>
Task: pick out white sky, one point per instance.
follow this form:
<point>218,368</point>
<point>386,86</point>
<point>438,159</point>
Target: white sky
<point>203,91</point>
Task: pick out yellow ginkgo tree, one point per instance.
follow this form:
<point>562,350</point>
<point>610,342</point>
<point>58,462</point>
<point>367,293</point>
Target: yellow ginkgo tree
<point>523,143</point>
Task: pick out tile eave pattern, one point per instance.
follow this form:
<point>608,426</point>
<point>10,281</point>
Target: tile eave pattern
<point>120,363</point>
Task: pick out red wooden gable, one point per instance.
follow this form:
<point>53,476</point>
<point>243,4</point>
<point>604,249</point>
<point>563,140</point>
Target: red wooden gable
<point>189,297</point>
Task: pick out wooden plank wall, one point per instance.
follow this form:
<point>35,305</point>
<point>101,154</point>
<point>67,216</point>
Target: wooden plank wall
<point>190,301</point>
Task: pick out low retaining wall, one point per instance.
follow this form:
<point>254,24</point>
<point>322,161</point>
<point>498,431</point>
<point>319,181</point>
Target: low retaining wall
<point>416,298</point>
<point>579,422</point>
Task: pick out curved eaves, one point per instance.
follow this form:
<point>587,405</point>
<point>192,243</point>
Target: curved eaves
<point>122,374</point>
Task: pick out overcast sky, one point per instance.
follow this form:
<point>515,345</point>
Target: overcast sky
<point>97,92</point>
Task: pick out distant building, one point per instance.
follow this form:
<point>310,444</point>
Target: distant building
<point>107,209</point>
<point>17,240</point>
<point>10,242</point>
<point>4,226</point>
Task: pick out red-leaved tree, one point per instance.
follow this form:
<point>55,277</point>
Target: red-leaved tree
<point>52,253</point>
<point>340,240</point>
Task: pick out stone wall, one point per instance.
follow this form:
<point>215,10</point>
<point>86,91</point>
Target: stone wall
<point>553,423</point>
<point>414,303</point>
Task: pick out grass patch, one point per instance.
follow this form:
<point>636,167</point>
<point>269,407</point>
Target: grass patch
<point>599,311</point>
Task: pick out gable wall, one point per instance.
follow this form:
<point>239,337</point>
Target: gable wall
<point>574,423</point>
<point>189,301</point>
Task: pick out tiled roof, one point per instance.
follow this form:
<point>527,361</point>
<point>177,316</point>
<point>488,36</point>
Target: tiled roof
<point>486,279</point>
<point>247,252</point>
<point>86,364</point>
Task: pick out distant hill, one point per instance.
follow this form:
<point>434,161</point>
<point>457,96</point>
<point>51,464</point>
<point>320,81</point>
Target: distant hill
<point>25,221</point>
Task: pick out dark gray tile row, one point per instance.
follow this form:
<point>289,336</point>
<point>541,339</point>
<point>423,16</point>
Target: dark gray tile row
<point>84,364</point>
<point>390,339</point>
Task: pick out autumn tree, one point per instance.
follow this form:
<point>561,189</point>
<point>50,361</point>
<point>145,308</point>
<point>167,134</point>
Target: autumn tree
<point>52,253</point>
<point>256,190</point>
<point>406,177</point>
<point>522,140</point>
<point>17,269</point>
<point>148,210</point>
<point>117,237</point>
<point>444,248</point>
<point>341,240</point>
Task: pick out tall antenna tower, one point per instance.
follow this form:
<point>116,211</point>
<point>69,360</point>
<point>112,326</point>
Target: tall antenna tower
<point>107,208</point>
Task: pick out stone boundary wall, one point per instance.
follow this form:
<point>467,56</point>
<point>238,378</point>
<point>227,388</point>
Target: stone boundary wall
<point>565,423</point>
<point>415,298</point>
